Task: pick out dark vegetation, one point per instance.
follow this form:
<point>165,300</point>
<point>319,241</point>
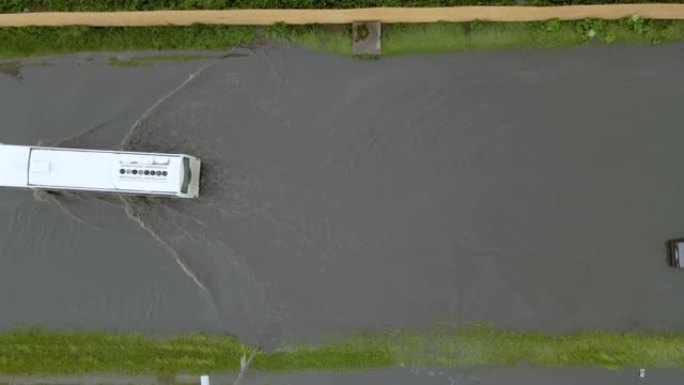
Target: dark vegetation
<point>147,5</point>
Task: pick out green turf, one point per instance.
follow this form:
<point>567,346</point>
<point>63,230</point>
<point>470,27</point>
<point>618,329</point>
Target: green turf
<point>485,346</point>
<point>403,39</point>
<point>315,37</point>
<point>40,352</point>
<point>397,39</point>
<point>72,353</point>
<point>455,37</point>
<point>32,41</point>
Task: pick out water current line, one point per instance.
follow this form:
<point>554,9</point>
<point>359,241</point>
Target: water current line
<point>161,101</point>
<point>126,142</point>
<point>244,365</point>
<point>171,250</point>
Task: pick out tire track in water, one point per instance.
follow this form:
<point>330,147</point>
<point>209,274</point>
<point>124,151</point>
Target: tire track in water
<point>74,140</point>
<point>244,303</point>
<point>136,218</point>
<point>62,200</point>
<point>127,144</point>
<point>51,197</point>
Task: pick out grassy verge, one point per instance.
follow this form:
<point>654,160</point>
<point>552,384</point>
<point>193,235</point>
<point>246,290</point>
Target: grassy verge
<point>32,41</point>
<point>453,37</point>
<point>40,352</point>
<point>400,39</point>
<point>397,39</point>
<point>334,39</point>
<point>456,37</point>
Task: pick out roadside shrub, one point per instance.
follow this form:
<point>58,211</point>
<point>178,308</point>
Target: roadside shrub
<point>552,25</point>
<point>636,24</point>
<point>477,25</point>
<point>609,37</point>
<point>590,28</point>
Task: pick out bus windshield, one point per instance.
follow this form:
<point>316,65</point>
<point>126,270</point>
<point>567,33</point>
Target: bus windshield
<point>187,175</point>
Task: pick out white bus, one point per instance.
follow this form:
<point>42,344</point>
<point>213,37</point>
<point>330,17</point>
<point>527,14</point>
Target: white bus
<point>52,168</point>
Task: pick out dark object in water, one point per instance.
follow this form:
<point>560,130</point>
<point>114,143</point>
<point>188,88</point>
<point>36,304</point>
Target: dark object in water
<point>675,247</point>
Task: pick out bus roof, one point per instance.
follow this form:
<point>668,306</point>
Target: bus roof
<point>104,170</point>
<point>14,165</point>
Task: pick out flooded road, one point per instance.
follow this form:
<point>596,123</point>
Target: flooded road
<point>532,190</point>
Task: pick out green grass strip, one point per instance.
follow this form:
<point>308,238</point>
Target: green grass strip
<point>334,39</point>
<point>398,39</point>
<point>32,41</point>
<point>403,39</point>
<point>455,37</point>
<point>40,352</point>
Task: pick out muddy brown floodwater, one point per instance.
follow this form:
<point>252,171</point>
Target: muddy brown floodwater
<point>529,189</point>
